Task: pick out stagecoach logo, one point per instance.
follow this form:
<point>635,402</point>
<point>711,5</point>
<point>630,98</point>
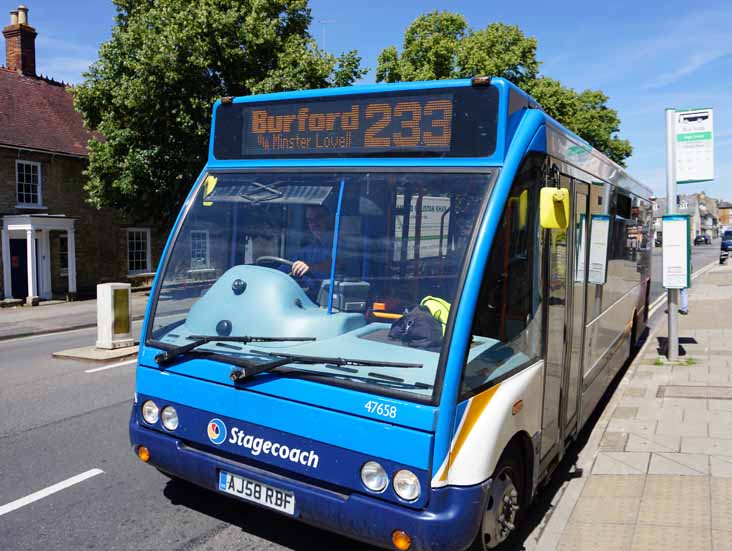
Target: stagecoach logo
<point>216,431</point>
<point>255,445</point>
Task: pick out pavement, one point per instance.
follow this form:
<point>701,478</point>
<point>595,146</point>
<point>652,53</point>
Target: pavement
<point>23,321</point>
<point>656,471</point>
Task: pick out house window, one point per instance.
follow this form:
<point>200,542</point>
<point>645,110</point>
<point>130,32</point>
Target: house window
<point>28,183</point>
<point>199,249</point>
<point>138,250</point>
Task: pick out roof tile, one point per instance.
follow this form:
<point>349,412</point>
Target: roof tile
<point>39,114</point>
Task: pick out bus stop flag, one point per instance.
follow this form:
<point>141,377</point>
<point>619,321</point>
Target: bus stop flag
<point>694,141</point>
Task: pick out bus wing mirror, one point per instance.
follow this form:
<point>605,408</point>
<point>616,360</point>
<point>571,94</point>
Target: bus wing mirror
<point>554,208</point>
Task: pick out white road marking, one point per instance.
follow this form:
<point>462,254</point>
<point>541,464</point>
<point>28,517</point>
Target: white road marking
<point>40,494</point>
<point>105,367</point>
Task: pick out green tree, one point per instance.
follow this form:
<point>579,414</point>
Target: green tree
<point>151,91</point>
<point>439,45</point>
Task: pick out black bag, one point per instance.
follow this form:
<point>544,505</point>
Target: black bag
<point>417,328</point>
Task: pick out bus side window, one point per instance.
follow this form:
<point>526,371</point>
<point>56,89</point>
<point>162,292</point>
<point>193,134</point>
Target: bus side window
<point>507,323</point>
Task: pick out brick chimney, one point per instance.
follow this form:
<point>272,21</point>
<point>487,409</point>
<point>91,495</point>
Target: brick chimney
<point>20,43</point>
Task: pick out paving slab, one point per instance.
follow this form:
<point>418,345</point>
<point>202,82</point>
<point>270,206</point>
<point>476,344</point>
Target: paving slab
<point>653,443</point>
<point>721,503</point>
<point>691,428</point>
<point>598,537</point>
<point>721,540</point>
<point>711,446</point>
<point>669,538</point>
<point>687,464</point>
<point>614,441</point>
<point>671,486</point>
<point>670,512</point>
<point>721,467</point>
<point>720,427</point>
<point>632,426</point>
<point>613,510</point>
<point>720,405</point>
<point>621,463</point>
<point>614,486</point>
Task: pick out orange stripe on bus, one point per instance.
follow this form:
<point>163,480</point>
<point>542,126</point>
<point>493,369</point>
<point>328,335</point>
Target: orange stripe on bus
<point>475,410</point>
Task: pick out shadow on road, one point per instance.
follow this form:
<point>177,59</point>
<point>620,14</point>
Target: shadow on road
<point>258,522</point>
<point>295,535</point>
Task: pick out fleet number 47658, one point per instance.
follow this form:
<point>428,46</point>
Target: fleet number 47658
<point>381,409</point>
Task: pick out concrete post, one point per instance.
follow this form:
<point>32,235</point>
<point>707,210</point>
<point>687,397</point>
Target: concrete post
<point>71,251</point>
<point>7,282</point>
<point>32,298</point>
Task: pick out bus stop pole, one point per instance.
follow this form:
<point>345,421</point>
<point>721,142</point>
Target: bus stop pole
<point>672,350</point>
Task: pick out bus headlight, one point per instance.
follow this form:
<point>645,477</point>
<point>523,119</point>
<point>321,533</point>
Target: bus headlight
<point>150,412</point>
<point>374,476</point>
<point>406,485</point>
<point>169,417</point>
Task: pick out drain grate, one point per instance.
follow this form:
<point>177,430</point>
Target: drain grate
<point>700,392</point>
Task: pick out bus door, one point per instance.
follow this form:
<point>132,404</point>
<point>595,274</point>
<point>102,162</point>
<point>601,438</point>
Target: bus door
<point>555,266</point>
<point>577,262</point>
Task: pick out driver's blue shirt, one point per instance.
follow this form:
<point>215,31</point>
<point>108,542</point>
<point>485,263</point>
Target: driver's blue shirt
<point>312,254</point>
<point>315,253</point>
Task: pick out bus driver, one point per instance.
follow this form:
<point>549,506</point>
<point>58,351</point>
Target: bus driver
<point>314,256</point>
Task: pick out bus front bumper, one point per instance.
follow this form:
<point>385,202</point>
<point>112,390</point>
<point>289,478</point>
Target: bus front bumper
<point>449,522</point>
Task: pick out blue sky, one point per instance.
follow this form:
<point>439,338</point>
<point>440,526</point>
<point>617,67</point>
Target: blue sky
<point>645,55</point>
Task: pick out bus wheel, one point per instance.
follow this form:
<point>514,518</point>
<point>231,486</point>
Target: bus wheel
<point>505,504</point>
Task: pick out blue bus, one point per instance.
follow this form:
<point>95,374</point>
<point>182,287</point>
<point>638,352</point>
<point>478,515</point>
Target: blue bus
<point>387,310</point>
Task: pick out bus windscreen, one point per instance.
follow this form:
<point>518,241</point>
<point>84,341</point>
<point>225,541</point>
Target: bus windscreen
<point>446,122</point>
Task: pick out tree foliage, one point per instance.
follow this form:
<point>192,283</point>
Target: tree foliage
<point>440,45</point>
<point>151,91</point>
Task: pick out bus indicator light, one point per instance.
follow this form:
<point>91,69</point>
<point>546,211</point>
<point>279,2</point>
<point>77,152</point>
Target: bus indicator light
<point>517,407</point>
<point>401,540</point>
<point>143,453</point>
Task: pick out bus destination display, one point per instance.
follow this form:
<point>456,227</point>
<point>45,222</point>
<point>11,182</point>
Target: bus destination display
<point>447,122</point>
<point>349,126</point>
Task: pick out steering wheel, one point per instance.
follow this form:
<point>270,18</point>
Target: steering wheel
<point>268,260</point>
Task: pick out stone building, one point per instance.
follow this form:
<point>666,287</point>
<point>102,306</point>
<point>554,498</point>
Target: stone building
<point>54,245</point>
<point>725,214</point>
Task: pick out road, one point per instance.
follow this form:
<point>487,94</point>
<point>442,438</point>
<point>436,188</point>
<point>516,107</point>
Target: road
<point>57,422</point>
<point>63,427</point>
<point>701,255</point>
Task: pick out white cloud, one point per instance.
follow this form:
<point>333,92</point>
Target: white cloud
<point>692,64</point>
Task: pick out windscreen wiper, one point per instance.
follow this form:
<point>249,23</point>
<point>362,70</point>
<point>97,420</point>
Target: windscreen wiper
<point>242,374</point>
<point>198,340</point>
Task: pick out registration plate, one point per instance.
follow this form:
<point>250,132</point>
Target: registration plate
<point>256,492</point>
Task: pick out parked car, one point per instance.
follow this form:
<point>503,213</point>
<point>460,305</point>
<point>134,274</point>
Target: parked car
<point>727,240</point>
<point>702,239</point>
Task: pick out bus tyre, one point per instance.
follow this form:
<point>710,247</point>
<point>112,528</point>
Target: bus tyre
<point>505,504</point>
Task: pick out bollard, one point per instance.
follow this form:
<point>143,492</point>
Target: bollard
<point>114,316</point>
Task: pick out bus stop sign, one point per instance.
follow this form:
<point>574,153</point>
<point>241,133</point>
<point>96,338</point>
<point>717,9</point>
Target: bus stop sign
<point>694,142</point>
